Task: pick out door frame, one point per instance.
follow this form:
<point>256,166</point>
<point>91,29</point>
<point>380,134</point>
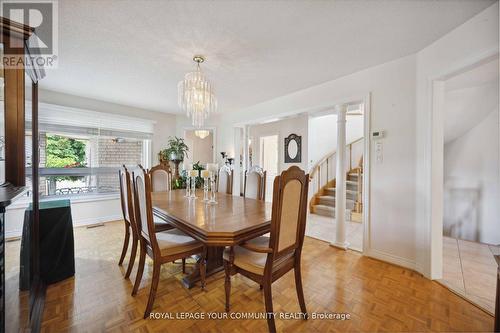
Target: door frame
<point>214,137</point>
<point>364,98</point>
<point>434,165</point>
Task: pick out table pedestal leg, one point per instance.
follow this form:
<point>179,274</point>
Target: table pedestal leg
<point>215,264</point>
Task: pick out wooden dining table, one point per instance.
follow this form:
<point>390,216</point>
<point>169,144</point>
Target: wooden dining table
<point>231,221</point>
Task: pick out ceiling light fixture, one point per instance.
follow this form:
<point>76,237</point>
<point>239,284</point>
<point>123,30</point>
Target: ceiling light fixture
<point>196,95</point>
<point>202,134</point>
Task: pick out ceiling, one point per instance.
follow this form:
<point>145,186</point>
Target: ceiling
<point>469,98</point>
<point>135,52</point>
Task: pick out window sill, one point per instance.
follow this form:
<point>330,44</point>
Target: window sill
<point>23,202</point>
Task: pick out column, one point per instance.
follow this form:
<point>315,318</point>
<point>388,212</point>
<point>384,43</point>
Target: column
<point>340,187</point>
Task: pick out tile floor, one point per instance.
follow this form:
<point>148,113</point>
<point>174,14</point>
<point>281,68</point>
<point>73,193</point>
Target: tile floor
<point>323,228</point>
<point>469,269</point>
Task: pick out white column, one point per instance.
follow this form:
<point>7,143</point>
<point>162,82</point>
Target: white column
<point>340,185</point>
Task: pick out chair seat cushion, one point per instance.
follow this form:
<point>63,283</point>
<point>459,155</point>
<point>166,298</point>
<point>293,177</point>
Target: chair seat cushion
<point>251,261</point>
<point>174,241</point>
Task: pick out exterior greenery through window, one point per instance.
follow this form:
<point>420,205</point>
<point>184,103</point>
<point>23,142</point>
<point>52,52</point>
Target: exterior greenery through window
<point>63,152</point>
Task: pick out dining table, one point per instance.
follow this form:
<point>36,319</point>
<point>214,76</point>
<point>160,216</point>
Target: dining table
<point>229,222</point>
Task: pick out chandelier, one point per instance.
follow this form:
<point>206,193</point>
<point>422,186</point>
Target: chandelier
<point>202,134</point>
<point>196,95</point>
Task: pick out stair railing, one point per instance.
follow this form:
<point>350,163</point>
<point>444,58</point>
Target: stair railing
<point>323,172</point>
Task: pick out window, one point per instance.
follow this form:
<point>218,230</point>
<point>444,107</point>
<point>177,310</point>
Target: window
<point>81,152</point>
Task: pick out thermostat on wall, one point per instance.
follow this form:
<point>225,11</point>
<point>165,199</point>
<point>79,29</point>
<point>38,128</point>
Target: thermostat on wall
<point>378,135</point>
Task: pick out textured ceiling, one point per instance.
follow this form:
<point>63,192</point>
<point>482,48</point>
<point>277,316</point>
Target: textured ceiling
<point>135,52</point>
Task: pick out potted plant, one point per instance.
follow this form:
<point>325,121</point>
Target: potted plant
<point>176,150</point>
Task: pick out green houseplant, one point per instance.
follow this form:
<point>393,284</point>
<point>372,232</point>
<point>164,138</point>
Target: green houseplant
<point>176,150</point>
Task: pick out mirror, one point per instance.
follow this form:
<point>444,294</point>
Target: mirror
<point>293,149</point>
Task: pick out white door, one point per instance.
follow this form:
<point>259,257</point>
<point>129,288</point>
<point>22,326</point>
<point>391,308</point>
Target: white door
<point>269,161</point>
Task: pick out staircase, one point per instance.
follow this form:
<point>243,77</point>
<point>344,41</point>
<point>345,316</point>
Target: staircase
<point>323,199</point>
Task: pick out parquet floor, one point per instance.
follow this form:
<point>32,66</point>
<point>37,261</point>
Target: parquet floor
<point>377,296</point>
<point>470,270</point>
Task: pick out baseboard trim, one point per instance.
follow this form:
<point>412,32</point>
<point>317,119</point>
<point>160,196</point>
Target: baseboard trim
<point>96,220</point>
<point>390,258</point>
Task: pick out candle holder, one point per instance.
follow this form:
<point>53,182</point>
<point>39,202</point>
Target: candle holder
<point>205,189</point>
<point>188,187</point>
<point>212,189</point>
<point>193,188</point>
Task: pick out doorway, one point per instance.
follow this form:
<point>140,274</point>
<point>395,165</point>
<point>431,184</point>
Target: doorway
<point>466,113</point>
<point>268,159</point>
<point>201,145</point>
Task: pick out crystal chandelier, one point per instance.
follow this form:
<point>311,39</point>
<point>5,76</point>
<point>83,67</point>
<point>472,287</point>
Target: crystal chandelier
<point>196,95</point>
<point>202,134</point>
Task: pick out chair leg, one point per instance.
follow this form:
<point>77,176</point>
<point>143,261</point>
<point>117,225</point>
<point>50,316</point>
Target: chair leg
<point>183,265</point>
<point>227,282</point>
<point>140,270</point>
<point>269,306</point>
<point>125,245</point>
<point>133,252</point>
<point>154,287</point>
<point>300,291</point>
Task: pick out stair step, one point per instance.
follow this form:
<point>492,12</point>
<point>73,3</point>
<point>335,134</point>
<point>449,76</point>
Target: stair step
<point>351,182</point>
<point>324,210</point>
<point>347,191</point>
<point>329,200</point>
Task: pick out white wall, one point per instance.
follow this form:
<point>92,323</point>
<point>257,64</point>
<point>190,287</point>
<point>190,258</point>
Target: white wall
<point>84,211</point>
<point>471,163</point>
<point>323,135</point>
<point>392,88</point>
<point>282,128</point>
<point>469,43</point>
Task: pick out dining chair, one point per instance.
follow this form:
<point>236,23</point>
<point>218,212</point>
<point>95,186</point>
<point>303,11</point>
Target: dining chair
<point>162,247</point>
<point>127,203</point>
<point>161,181</point>
<point>161,177</point>
<point>128,215</point>
<point>255,183</point>
<point>225,180</point>
<point>266,259</point>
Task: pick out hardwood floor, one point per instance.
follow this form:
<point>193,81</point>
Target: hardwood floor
<point>470,270</point>
<point>378,296</point>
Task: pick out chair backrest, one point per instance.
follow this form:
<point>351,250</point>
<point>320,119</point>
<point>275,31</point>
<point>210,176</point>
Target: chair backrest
<point>127,197</point>
<point>288,222</point>
<point>255,183</point>
<point>225,180</point>
<point>161,178</point>
<point>143,207</point>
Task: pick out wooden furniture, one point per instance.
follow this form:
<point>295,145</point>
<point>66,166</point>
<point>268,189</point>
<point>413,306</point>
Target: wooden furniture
<point>497,302</point>
<point>15,52</point>
<point>230,222</point>
<point>255,183</point>
<point>266,259</point>
<point>127,204</point>
<point>161,177</point>
<point>162,247</point>
<point>225,180</point>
